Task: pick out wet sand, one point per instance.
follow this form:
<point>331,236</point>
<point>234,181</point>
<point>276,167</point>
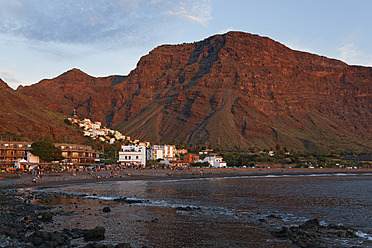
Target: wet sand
<point>26,180</point>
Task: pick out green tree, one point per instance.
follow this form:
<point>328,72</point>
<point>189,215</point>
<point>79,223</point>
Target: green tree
<point>46,151</point>
<point>67,121</point>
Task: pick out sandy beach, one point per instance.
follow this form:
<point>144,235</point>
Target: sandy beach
<point>26,180</point>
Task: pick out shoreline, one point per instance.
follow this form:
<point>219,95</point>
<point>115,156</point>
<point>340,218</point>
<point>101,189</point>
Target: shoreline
<point>30,222</point>
<point>9,181</point>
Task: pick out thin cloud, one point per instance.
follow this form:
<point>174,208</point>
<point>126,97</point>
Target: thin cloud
<point>94,21</point>
<point>11,78</point>
<point>195,11</point>
<point>349,53</point>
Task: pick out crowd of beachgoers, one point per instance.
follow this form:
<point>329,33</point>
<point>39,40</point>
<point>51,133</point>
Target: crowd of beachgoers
<point>134,172</point>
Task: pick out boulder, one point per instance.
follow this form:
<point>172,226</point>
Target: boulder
<point>123,245</point>
<point>56,237</point>
<point>37,241</point>
<point>106,209</point>
<point>311,224</point>
<point>12,233</point>
<point>47,216</point>
<point>98,233</point>
<point>95,245</point>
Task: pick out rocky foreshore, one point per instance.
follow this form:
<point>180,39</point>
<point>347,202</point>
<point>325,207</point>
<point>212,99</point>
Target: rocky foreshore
<point>22,223</point>
<point>313,234</point>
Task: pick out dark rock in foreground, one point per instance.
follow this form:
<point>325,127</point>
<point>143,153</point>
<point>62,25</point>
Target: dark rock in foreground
<point>21,224</point>
<point>188,208</point>
<point>47,216</point>
<point>99,245</point>
<point>98,233</point>
<point>128,201</point>
<point>106,209</point>
<point>313,234</point>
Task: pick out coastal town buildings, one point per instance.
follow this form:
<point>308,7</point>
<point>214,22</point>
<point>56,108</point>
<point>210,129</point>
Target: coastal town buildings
<point>205,151</point>
<point>181,151</point>
<point>161,152</point>
<point>12,152</point>
<point>215,161</point>
<point>132,154</point>
<point>79,155</point>
<point>175,162</point>
<point>32,158</point>
<point>191,158</point>
<point>96,131</point>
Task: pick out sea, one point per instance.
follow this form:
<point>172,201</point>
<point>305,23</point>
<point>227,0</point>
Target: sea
<point>216,212</point>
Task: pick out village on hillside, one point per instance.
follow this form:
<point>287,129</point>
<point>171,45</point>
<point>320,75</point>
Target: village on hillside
<point>17,155</point>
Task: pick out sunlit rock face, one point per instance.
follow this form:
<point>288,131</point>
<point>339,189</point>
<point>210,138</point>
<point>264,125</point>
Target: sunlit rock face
<point>234,90</point>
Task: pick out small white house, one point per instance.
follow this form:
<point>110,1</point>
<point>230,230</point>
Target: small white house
<point>132,154</point>
<point>215,161</point>
<point>32,158</point>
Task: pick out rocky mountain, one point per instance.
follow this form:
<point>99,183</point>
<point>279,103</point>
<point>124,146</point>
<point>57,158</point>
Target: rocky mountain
<point>231,90</point>
<point>24,117</point>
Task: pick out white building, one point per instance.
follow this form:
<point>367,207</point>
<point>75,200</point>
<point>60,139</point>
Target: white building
<point>96,125</point>
<point>133,154</point>
<point>161,152</point>
<point>214,161</point>
<point>119,136</point>
<point>32,158</point>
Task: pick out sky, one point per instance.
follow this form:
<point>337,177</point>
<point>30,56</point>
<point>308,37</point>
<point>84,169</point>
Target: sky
<point>44,38</point>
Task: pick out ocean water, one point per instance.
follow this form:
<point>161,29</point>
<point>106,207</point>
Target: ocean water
<point>223,212</point>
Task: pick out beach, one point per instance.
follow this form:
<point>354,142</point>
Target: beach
<point>129,207</point>
<point>26,179</point>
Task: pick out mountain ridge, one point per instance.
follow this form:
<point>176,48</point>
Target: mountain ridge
<point>230,90</point>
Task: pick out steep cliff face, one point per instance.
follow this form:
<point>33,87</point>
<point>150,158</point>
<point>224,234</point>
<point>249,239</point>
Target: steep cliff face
<point>20,115</point>
<point>234,90</point>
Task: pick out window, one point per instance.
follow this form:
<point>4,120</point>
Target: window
<point>136,157</point>
<point>125,157</point>
<point>10,152</point>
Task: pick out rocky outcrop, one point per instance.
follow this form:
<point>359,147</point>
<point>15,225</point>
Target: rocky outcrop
<point>313,234</point>
<point>231,90</point>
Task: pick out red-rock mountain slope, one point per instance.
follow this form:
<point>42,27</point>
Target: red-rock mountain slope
<point>24,117</point>
<point>232,90</point>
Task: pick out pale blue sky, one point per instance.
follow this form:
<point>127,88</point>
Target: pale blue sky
<point>43,38</point>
